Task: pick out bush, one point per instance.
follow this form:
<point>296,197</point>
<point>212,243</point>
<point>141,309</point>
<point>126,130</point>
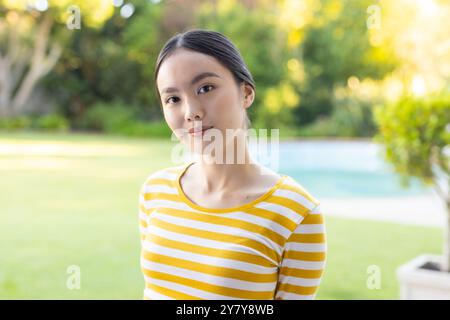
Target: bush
<point>16,123</point>
<point>52,122</point>
<point>48,122</point>
<point>415,134</point>
<point>143,129</point>
<point>117,118</point>
<point>350,118</point>
<point>106,117</point>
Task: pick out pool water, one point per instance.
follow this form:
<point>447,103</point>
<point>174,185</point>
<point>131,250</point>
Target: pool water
<point>341,169</point>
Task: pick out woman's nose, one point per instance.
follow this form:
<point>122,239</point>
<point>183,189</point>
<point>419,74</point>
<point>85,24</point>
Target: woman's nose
<point>194,113</point>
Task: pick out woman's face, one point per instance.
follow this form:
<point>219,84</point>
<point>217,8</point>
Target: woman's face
<point>197,91</point>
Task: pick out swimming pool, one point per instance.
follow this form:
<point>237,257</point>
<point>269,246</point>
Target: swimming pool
<point>338,168</point>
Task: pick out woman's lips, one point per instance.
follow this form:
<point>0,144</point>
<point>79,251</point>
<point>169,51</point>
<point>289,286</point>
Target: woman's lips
<point>197,132</point>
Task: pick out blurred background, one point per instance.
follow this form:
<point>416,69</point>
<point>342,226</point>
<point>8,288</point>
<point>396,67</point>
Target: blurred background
<point>360,91</point>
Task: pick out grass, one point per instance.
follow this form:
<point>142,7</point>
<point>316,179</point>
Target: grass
<point>76,204</point>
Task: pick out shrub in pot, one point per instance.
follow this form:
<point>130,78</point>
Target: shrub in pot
<point>416,135</point>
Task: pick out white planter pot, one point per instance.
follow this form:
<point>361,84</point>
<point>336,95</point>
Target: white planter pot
<point>423,284</point>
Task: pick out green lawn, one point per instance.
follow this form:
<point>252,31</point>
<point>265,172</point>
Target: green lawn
<point>72,200</point>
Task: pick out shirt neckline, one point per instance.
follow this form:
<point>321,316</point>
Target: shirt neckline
<point>224,210</point>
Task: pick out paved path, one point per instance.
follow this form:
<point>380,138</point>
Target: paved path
<point>421,210</point>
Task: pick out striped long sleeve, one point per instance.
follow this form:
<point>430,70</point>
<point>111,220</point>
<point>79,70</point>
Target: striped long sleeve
<point>303,259</point>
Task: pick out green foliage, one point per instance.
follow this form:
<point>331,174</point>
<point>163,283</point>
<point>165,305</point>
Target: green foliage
<point>350,118</point>
<point>117,118</point>
<point>114,61</point>
<point>106,117</point>
<point>415,133</point>
<point>16,123</point>
<point>49,122</point>
<point>281,120</point>
<point>52,122</point>
<point>154,129</point>
<point>142,44</point>
<point>336,47</point>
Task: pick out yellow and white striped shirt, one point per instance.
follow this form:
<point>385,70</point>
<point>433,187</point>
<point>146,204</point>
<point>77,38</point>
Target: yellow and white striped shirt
<point>271,248</point>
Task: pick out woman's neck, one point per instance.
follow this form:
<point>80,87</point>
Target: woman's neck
<point>227,175</point>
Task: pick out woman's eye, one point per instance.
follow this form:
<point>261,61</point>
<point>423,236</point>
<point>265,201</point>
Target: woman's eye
<point>168,100</point>
<point>210,87</point>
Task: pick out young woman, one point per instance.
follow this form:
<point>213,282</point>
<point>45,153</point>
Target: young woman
<point>218,227</point>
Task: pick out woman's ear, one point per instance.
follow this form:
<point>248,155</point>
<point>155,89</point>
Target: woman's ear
<point>248,94</point>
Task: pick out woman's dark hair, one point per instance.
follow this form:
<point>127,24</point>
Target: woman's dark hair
<point>213,44</point>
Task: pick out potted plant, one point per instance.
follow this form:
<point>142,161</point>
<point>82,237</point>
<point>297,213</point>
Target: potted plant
<point>415,133</point>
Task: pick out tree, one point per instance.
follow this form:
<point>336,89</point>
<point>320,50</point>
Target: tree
<point>112,64</point>
<point>32,36</point>
<point>416,136</point>
<point>337,46</point>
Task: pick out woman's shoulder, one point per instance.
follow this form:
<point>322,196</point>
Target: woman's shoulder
<point>164,176</point>
<point>294,190</point>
